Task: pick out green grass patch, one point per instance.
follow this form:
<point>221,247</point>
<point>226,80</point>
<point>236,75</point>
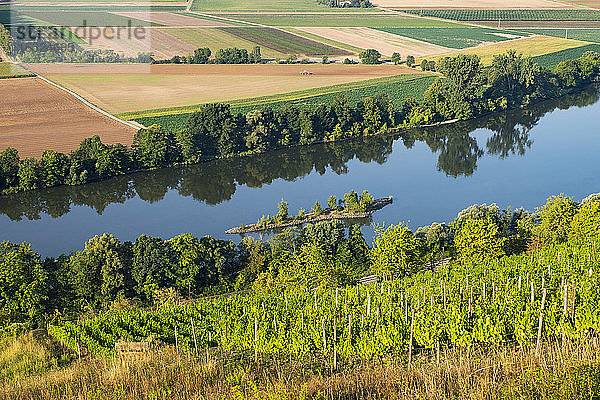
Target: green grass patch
<point>397,87</point>
<point>551,60</point>
<point>510,15</point>
<point>10,70</point>
<point>587,35</point>
<point>284,42</point>
<point>339,20</point>
<point>456,38</point>
<point>212,18</point>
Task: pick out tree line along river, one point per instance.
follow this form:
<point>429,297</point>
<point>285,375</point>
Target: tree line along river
<point>517,159</point>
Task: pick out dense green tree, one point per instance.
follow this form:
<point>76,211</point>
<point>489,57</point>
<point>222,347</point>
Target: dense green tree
<point>585,225</point>
<point>54,168</point>
<point>513,77</point>
<point>97,274</point>
<point>23,284</point>
<point>436,238</point>
<point>201,55</point>
<point>410,60</point>
<point>263,130</point>
<point>114,160</point>
<point>396,58</point>
<point>282,212</point>
<point>189,262</point>
<point>9,167</point>
<point>29,174</point>
<point>316,210</point>
<point>154,147</point>
<point>369,56</point>
<point>478,240</point>
<point>153,264</point>
<point>332,202</point>
<point>395,250</point>
<point>555,219</point>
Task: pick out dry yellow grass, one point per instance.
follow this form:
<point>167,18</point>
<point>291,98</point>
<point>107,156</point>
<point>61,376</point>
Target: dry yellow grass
<point>530,46</point>
<point>489,372</point>
<point>183,85</point>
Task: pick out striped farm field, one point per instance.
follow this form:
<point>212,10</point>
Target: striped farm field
<point>530,46</point>
<point>265,5</point>
<point>215,39</point>
<point>510,15</point>
<point>397,88</point>
<point>551,60</point>
<point>337,20</point>
<point>456,38</point>
<point>386,43</point>
<point>284,42</point>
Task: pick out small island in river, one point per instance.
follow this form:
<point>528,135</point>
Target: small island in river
<point>352,206</point>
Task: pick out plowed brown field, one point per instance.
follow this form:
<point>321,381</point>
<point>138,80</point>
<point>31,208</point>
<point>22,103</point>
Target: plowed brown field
<point>35,116</point>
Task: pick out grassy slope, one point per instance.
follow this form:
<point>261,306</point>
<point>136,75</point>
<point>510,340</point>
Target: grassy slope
<point>215,39</point>
<point>552,59</point>
<point>397,87</point>
<point>531,46</point>
<point>456,38</point>
<point>341,20</point>
<point>285,42</point>
<point>9,70</point>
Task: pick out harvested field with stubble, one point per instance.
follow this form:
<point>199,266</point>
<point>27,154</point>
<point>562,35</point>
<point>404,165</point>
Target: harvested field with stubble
<point>35,116</point>
<point>127,88</point>
<point>386,43</point>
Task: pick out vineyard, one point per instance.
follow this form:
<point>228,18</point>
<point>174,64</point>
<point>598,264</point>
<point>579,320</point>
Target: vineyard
<point>551,294</point>
<point>509,15</point>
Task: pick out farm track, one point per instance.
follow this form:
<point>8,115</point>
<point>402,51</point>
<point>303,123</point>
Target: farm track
<point>36,116</point>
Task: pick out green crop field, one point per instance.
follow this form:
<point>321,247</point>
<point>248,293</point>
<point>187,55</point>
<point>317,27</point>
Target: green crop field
<point>215,38</point>
<point>9,70</point>
<point>67,34</point>
<point>338,20</point>
<point>85,18</point>
<point>551,60</point>
<point>587,35</point>
<point>456,38</point>
<point>397,88</point>
<point>510,15</point>
<point>284,42</point>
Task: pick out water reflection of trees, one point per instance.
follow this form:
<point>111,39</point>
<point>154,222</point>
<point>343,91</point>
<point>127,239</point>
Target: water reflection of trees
<point>215,182</point>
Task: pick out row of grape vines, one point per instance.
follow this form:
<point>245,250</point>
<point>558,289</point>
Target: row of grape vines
<point>509,15</point>
<point>553,293</point>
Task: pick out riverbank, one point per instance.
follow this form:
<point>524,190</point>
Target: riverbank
<point>311,218</point>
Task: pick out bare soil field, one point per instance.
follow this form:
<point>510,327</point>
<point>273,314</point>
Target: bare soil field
<point>475,4</point>
<point>35,116</point>
<point>386,43</point>
<point>174,20</point>
<point>124,89</point>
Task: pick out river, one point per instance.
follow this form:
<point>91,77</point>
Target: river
<point>515,159</point>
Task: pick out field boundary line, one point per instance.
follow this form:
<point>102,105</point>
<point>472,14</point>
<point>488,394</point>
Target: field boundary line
<point>81,99</point>
<point>229,19</point>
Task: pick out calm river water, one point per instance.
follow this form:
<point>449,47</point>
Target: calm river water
<point>516,159</point>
